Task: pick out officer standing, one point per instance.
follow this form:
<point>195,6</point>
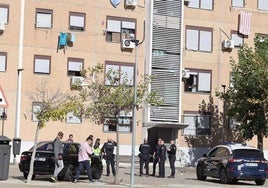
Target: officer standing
<point>108,151</point>
<point>156,155</point>
<point>145,150</point>
<point>172,157</point>
<point>162,159</point>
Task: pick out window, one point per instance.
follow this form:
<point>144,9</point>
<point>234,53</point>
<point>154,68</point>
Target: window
<point>262,5</point>
<point>36,108</point>
<point>3,61</point>
<point>75,66</point>
<point>119,73</point>
<point>43,18</point>
<point>199,81</point>
<point>120,28</point>
<point>198,124</point>
<point>77,21</point>
<point>4,13</point>
<point>222,152</point>
<point>73,118</point>
<point>261,36</point>
<point>125,123</point>
<point>199,39</point>
<point>202,4</point>
<point>42,64</point>
<point>237,38</point>
<point>238,3</point>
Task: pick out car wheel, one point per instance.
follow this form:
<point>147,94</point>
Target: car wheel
<point>223,177</point>
<point>200,172</point>
<point>259,181</point>
<point>233,181</point>
<point>25,175</point>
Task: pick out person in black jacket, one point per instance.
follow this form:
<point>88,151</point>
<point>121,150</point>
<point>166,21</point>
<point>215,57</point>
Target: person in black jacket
<point>108,151</point>
<point>162,159</point>
<point>172,157</point>
<point>156,155</point>
<point>145,150</point>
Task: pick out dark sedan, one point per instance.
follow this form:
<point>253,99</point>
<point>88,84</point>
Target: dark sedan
<point>44,161</point>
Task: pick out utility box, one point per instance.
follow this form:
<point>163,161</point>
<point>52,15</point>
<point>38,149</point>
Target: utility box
<point>16,146</point>
<point>4,157</point>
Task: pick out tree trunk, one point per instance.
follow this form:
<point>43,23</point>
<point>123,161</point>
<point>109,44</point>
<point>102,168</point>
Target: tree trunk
<point>116,178</point>
<point>30,174</point>
<point>260,141</point>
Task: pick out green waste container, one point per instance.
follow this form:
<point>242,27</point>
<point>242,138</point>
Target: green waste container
<point>4,157</point>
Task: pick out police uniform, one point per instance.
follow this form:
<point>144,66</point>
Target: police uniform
<point>108,149</point>
<point>162,160</point>
<point>145,150</point>
<point>156,158</point>
<point>172,158</point>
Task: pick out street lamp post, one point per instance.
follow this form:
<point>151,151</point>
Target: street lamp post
<point>134,117</point>
<point>224,113</point>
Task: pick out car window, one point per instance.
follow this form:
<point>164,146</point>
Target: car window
<point>247,153</point>
<point>46,147</point>
<point>212,153</point>
<point>71,149</point>
<point>222,152</point>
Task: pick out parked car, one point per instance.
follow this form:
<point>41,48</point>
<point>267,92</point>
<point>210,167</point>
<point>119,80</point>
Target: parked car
<point>44,161</point>
<point>233,162</point>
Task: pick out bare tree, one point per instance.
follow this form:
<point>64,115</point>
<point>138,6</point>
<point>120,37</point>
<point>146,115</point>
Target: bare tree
<point>54,106</point>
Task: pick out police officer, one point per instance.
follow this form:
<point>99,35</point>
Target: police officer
<point>162,159</point>
<point>108,151</point>
<point>172,157</point>
<point>156,155</point>
<point>145,150</point>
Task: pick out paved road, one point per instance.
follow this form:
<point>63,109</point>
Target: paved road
<point>185,177</point>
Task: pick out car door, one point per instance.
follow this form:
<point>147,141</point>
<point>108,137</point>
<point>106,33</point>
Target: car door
<point>209,162</point>
<point>220,160</point>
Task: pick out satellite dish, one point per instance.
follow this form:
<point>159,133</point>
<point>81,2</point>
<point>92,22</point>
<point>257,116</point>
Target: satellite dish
<point>115,3</point>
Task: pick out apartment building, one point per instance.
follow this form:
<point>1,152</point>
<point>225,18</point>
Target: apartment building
<point>187,47</point>
<point>54,41</point>
<point>213,32</point>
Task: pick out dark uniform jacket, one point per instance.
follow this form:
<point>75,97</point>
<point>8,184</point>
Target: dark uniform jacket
<point>172,151</point>
<point>163,152</point>
<point>108,148</point>
<point>145,150</point>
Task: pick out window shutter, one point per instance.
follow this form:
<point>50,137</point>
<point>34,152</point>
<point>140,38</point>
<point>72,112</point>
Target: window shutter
<point>3,15</point>
<point>192,39</point>
<point>194,3</point>
<point>128,73</point>
<point>113,26</point>
<point>206,4</point>
<point>42,65</point>
<point>128,25</point>
<point>2,63</point>
<point>43,20</point>
<point>204,81</point>
<point>115,71</point>
<point>205,41</point>
<point>262,5</point>
<point>77,21</point>
<point>75,66</point>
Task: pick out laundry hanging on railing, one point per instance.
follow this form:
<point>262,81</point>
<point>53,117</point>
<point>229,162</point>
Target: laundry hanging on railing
<point>64,40</point>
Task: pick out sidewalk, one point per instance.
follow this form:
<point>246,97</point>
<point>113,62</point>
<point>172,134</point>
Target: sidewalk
<point>16,179</point>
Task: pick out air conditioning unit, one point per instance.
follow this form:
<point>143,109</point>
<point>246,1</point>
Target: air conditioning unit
<point>77,80</point>
<point>185,74</point>
<point>130,3</point>
<point>128,44</point>
<point>228,44</point>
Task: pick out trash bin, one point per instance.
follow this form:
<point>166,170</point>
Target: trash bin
<point>16,146</point>
<point>4,157</point>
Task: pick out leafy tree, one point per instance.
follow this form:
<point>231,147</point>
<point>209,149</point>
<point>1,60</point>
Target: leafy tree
<point>104,99</point>
<point>249,94</point>
<point>53,106</point>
